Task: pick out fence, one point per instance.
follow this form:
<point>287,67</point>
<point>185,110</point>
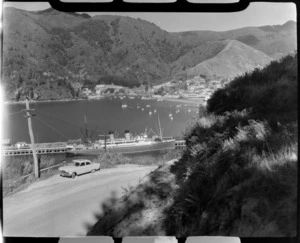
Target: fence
<point>42,170</point>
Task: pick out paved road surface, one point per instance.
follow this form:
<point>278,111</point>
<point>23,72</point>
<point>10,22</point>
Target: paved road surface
<point>61,206</point>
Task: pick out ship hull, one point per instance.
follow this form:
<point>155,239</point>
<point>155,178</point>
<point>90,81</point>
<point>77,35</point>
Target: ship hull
<point>126,149</point>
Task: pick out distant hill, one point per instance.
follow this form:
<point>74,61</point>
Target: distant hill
<point>235,59</point>
<point>56,54</point>
<point>274,40</point>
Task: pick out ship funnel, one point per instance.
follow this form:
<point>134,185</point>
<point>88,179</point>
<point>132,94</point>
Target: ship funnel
<point>111,135</point>
<point>127,135</point>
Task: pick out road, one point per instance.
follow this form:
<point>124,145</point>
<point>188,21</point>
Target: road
<point>61,206</point>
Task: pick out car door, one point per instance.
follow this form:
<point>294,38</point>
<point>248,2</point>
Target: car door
<point>82,168</point>
<point>88,166</point>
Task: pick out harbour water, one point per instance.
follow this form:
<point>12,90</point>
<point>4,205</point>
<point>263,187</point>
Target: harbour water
<point>61,121</point>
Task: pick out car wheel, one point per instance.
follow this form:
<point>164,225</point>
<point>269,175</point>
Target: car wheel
<point>93,171</point>
<point>73,175</point>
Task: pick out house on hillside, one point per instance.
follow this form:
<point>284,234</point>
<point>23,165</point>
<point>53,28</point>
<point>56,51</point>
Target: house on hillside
<point>86,91</point>
<point>102,88</point>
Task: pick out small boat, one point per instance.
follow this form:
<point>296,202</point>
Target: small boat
<point>148,106</point>
<point>138,107</point>
<point>171,118</point>
<point>150,113</point>
<point>170,115</point>
<point>142,109</point>
<point>124,105</point>
<point>155,111</point>
<point>189,110</point>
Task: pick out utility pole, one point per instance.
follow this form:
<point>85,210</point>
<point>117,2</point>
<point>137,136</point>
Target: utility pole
<point>86,129</point>
<point>105,139</point>
<point>35,159</point>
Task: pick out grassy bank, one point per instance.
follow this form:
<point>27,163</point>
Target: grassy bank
<point>238,175</point>
<point>15,167</point>
<point>109,160</point>
<point>140,211</point>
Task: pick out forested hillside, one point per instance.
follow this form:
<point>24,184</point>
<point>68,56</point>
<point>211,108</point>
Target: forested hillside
<point>56,54</point>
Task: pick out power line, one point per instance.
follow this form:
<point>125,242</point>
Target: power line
<point>15,112</point>
<point>59,119</point>
<point>52,128</point>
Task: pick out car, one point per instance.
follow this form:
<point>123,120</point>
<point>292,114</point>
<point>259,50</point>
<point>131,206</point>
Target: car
<point>79,167</point>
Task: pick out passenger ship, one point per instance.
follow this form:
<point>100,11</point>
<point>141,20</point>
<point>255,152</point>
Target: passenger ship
<point>128,144</point>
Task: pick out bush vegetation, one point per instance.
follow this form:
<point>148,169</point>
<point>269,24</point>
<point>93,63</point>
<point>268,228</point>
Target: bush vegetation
<point>140,209</point>
<point>110,160</point>
<point>15,167</point>
<point>238,175</point>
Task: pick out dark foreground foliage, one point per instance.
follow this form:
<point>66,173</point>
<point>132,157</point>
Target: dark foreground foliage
<point>238,175</point>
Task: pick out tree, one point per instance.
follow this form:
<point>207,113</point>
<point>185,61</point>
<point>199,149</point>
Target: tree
<point>160,91</point>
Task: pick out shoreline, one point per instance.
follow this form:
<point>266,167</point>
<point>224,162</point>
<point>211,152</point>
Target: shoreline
<point>188,101</point>
<point>43,101</point>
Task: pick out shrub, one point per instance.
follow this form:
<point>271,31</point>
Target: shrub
<point>238,175</point>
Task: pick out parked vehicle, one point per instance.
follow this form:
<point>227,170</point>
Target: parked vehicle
<point>79,167</point>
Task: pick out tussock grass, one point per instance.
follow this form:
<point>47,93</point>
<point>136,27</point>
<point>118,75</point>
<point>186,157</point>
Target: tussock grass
<point>140,209</point>
<point>270,92</point>
<point>110,160</point>
<point>15,167</point>
<point>238,175</point>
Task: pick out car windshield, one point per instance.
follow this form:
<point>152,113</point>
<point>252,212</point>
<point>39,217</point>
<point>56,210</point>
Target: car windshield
<point>77,164</point>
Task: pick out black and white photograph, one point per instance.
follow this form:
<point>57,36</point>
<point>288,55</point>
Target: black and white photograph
<point>139,124</point>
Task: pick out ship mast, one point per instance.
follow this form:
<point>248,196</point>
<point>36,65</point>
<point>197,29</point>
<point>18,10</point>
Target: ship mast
<point>159,127</point>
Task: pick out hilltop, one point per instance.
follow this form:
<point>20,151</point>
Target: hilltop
<point>238,175</point>
<point>56,54</point>
<point>273,40</point>
<point>235,59</point>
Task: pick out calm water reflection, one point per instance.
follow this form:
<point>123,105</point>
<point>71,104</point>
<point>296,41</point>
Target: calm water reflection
<point>60,121</point>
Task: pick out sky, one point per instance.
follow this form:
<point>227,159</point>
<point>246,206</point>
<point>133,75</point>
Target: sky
<point>257,14</point>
